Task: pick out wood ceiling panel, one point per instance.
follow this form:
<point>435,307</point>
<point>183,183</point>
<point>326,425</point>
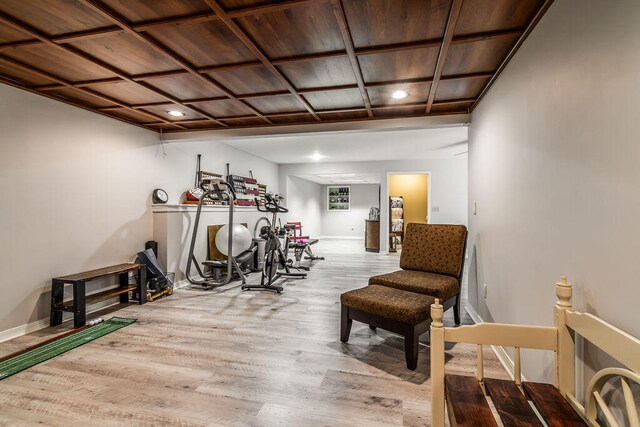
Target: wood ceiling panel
<point>126,53</point>
<point>54,16</point>
<point>297,31</point>
<point>202,125</point>
<point>335,99</point>
<point>319,72</point>
<point>129,93</point>
<point>277,104</point>
<point>451,108</point>
<point>224,108</point>
<point>298,118</point>
<point>22,76</point>
<point>459,89</point>
<point>245,121</point>
<point>184,86</point>
<point>59,63</point>
<point>203,44</point>
<point>347,115</point>
<point>477,57</point>
<point>81,98</point>
<point>376,22</point>
<point>150,10</point>
<point>237,4</point>
<point>400,111</point>
<point>135,116</point>
<point>10,35</point>
<point>406,64</point>
<point>359,51</point>
<point>381,95</point>
<point>161,110</point>
<point>479,16</point>
<point>248,80</point>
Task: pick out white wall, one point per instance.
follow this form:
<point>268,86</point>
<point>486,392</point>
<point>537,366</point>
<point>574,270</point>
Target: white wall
<point>179,173</point>
<point>350,223</point>
<point>448,184</point>
<point>75,189</point>
<point>554,169</point>
<point>304,200</point>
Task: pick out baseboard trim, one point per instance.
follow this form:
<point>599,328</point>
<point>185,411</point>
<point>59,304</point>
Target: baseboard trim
<point>500,352</point>
<point>21,330</point>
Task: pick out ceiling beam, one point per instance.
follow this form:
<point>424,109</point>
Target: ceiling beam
<point>345,32</point>
<point>112,16</point>
<point>454,13</point>
<point>301,91</point>
<point>334,111</point>
<point>66,84</point>
<point>253,47</point>
<point>47,40</point>
<point>536,18</point>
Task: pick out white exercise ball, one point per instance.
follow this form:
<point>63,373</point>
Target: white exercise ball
<point>241,239</point>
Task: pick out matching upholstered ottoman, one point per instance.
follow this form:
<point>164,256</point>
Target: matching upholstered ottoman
<point>405,313</point>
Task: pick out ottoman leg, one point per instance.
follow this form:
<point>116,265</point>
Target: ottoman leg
<point>411,348</point>
<point>373,328</point>
<point>345,324</point>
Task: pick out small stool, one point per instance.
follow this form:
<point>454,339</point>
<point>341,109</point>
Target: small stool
<point>405,313</point>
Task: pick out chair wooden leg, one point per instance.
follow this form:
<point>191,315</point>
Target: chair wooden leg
<point>456,310</point>
<point>345,324</point>
<point>411,348</point>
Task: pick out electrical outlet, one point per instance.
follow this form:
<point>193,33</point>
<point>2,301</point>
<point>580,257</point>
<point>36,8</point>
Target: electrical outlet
<point>435,209</point>
<point>485,288</point>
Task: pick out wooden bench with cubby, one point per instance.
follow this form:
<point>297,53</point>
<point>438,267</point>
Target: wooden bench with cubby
<point>468,400</point>
<point>78,303</point>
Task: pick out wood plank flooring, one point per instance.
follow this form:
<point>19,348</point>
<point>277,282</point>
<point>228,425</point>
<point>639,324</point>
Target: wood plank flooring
<point>230,358</point>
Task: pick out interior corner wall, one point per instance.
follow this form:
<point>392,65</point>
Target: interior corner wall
<point>76,195</point>
<point>303,198</point>
<point>350,223</point>
<point>553,167</point>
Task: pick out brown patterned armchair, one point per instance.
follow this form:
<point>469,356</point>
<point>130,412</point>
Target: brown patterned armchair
<point>432,263</point>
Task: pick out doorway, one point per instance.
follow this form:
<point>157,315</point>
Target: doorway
<point>408,202</point>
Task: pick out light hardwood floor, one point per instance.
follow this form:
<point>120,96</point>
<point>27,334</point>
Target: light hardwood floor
<point>225,357</point>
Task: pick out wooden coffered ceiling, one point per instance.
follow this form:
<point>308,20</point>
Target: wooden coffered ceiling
<point>247,63</point>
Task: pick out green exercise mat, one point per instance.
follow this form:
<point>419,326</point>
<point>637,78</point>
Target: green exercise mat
<point>55,348</point>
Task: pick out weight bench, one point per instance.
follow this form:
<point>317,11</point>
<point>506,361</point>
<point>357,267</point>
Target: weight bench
<point>557,404</point>
<point>301,245</point>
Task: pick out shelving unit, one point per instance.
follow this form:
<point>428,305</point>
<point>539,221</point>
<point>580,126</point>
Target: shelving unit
<point>338,198</point>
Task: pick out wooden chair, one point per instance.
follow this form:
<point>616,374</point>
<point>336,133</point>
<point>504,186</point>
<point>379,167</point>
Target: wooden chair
<point>557,404</point>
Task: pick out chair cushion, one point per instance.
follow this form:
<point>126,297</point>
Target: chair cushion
<point>422,282</point>
<point>436,248</point>
<point>390,303</point>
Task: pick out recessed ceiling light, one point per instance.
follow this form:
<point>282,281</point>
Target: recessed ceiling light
<point>175,113</point>
<point>399,94</point>
<point>316,156</point>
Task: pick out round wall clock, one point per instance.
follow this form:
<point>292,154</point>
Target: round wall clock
<point>160,196</point>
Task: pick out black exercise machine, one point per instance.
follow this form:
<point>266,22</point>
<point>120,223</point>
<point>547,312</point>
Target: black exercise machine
<point>275,263</point>
<point>222,191</point>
